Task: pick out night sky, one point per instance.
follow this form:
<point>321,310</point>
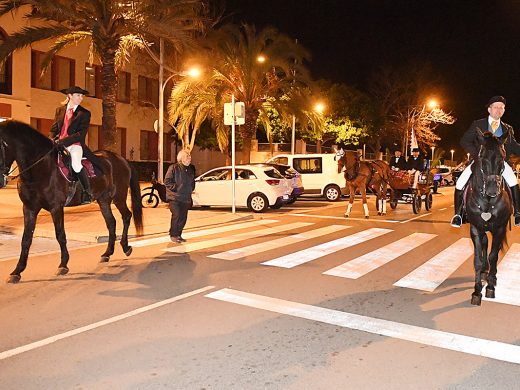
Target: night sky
<point>471,44</point>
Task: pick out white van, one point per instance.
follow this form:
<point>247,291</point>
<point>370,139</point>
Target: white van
<point>319,173</point>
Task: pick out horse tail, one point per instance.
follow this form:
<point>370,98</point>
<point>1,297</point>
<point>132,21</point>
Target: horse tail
<point>137,207</point>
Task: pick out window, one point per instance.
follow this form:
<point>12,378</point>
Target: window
<point>42,125</point>
<point>93,80</point>
<point>148,91</point>
<point>148,145</point>
<point>280,160</point>
<point>308,165</point>
<point>217,174</point>
<point>5,71</point>
<point>58,76</point>
<point>123,87</point>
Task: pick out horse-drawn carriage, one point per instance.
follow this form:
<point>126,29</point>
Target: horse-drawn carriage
<point>401,183</point>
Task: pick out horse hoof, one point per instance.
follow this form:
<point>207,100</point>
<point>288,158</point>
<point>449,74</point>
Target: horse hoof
<point>490,293</point>
<point>62,271</point>
<point>129,251</point>
<point>379,213</point>
<point>13,279</point>
<point>366,217</point>
<point>346,215</point>
<point>476,299</point>
<point>104,259</point>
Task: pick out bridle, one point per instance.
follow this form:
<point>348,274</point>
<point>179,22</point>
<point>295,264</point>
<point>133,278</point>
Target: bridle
<point>497,178</point>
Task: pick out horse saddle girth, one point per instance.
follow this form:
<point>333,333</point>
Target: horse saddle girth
<point>65,167</point>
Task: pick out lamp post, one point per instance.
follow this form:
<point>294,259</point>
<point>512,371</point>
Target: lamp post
<point>452,151</point>
<point>193,72</point>
<point>433,105</point>
<point>433,151</point>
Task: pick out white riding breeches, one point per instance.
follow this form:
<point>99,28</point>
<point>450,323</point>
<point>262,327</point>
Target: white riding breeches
<point>76,154</point>
<point>508,175</point>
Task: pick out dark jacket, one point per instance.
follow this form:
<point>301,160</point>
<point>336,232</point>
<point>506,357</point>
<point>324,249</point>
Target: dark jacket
<point>471,144</point>
<point>400,163</point>
<point>179,182</point>
<point>77,131</point>
<point>415,163</point>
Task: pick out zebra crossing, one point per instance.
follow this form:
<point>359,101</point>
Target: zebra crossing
<point>426,277</point>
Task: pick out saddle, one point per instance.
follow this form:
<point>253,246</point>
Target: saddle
<point>65,166</point>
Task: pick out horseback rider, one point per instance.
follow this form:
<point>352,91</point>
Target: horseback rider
<point>397,162</point>
<point>415,165</point>
<point>70,127</point>
<point>496,108</point>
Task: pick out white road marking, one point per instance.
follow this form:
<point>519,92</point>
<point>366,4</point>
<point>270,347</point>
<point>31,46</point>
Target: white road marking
<point>238,253</point>
<point>200,233</point>
<point>431,274</point>
<point>304,256</point>
<point>414,218</point>
<point>49,340</point>
<point>362,265</point>
<point>436,338</point>
<point>342,218</point>
<point>444,208</point>
<point>508,286</point>
<point>190,247</point>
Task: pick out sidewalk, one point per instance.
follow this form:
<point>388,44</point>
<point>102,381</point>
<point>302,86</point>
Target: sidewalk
<point>85,223</point>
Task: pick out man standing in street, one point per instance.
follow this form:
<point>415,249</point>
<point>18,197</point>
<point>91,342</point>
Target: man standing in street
<point>180,183</point>
<point>496,107</point>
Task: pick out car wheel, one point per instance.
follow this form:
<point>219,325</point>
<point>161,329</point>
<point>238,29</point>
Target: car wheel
<point>332,192</point>
<point>149,200</point>
<point>257,203</point>
<point>393,204</point>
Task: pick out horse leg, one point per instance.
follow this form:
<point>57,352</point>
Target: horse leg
<point>59,229</point>
<point>477,238</point>
<point>126,215</point>
<point>485,262</point>
<point>110,221</point>
<point>352,194</point>
<point>29,222</point>
<point>364,198</point>
<point>498,238</point>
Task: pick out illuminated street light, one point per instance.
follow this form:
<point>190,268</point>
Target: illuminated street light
<point>433,150</point>
<point>452,151</point>
<point>319,108</point>
<point>432,104</point>
<point>260,58</point>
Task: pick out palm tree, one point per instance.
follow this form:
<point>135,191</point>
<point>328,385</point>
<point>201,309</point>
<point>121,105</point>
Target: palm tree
<point>236,70</point>
<point>114,28</point>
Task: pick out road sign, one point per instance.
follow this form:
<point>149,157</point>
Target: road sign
<point>240,113</point>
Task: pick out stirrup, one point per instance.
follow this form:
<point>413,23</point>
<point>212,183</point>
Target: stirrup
<point>456,221</point>
<point>86,198</point>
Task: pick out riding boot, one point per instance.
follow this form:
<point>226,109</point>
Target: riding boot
<point>86,196</point>
<point>515,193</point>
<point>458,196</point>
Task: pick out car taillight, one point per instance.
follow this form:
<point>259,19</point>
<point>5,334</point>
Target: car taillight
<point>272,182</point>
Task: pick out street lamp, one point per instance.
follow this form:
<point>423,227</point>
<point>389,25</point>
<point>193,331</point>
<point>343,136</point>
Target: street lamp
<point>452,151</point>
<point>319,108</point>
<point>433,151</point>
<point>192,72</point>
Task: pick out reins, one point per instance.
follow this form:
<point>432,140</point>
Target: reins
<point>2,147</point>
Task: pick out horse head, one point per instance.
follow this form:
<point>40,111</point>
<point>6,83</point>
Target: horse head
<point>490,164</point>
<point>339,157</point>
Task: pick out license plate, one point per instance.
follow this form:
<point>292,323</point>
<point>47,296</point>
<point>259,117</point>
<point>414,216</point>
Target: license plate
<point>285,197</point>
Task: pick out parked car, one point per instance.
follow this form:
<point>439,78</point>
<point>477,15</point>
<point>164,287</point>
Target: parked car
<point>293,177</point>
<point>257,187</point>
<point>442,177</point>
<point>319,173</point>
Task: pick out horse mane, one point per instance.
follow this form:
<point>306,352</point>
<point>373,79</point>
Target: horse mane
<point>32,138</point>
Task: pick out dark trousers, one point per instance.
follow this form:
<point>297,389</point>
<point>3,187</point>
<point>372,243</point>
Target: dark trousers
<point>179,216</point>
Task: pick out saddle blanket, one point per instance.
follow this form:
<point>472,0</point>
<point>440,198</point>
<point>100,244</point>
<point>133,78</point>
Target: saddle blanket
<point>66,169</point>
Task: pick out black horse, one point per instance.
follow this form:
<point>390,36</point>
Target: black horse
<point>488,209</point>
<point>42,186</point>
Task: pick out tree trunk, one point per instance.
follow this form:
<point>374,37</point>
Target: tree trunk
<point>247,132</point>
<point>108,95</point>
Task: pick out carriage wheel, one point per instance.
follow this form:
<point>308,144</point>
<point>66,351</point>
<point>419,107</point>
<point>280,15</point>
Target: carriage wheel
<point>416,203</point>
<point>428,201</point>
<point>393,204</point>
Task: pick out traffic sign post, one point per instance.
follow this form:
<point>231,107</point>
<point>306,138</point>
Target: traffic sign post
<point>234,114</point>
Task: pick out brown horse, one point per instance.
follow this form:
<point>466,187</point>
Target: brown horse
<point>42,186</point>
<point>362,174</point>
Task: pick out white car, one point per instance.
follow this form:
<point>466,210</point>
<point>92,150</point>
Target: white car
<point>257,187</point>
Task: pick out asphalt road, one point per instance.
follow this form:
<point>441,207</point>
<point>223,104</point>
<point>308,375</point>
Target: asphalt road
<point>300,299</point>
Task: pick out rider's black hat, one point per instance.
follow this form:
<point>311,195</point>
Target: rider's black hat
<point>74,89</point>
<point>415,150</point>
<point>496,99</point>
